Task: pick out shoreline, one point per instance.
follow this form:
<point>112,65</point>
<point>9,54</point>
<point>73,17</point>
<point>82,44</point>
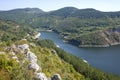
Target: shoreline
<point>103,46</point>
<point>96,46</point>
<point>76,51</point>
<point>85,46</point>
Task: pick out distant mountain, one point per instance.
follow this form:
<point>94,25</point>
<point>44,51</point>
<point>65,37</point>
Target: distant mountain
<point>83,13</point>
<point>112,14</point>
<point>64,12</point>
<point>21,16</point>
<point>74,12</point>
<point>26,14</point>
<point>24,10</point>
<point>73,24</point>
<point>89,13</point>
<point>29,10</point>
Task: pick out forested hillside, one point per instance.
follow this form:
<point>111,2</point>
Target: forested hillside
<point>75,25</point>
<point>24,58</point>
<point>19,52</point>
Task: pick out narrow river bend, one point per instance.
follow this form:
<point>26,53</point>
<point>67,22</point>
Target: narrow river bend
<point>106,59</point>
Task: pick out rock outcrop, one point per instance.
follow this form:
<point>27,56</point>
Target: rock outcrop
<point>24,47</point>
<point>32,58</point>
<point>34,66</point>
<point>40,76</point>
<point>105,38</point>
<point>56,77</point>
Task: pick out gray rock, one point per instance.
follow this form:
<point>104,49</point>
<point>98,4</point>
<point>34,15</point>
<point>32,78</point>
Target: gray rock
<point>23,47</point>
<point>53,51</point>
<point>34,66</point>
<point>56,77</point>
<point>40,76</point>
<point>31,57</point>
<point>33,61</point>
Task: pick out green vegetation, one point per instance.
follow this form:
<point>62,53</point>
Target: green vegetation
<point>50,62</point>
<point>73,24</point>
<point>83,68</point>
<point>79,27</point>
<point>10,31</point>
<point>12,70</point>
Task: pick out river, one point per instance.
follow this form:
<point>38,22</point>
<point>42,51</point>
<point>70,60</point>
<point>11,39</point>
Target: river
<point>106,59</point>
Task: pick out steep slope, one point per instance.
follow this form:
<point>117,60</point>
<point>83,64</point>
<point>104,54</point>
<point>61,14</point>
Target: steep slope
<point>22,59</point>
<point>103,38</point>
<point>20,65</point>
<point>25,58</point>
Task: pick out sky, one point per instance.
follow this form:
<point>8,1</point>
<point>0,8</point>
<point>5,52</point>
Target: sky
<point>49,5</point>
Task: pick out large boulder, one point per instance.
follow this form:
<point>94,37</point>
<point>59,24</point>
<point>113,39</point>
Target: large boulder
<point>31,57</point>
<point>56,77</point>
<point>40,76</point>
<point>23,47</point>
<point>34,66</point>
<point>33,61</point>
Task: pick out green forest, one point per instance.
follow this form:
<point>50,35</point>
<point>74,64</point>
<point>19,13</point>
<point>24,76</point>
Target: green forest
<point>78,27</point>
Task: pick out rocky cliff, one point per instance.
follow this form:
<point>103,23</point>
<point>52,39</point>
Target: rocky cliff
<point>104,38</point>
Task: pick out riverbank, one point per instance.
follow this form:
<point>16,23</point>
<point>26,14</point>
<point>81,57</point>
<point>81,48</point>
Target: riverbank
<point>99,46</point>
<point>87,56</point>
<point>103,46</point>
<point>100,58</point>
<point>101,38</point>
<point>76,43</point>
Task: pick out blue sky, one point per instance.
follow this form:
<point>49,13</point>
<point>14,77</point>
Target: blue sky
<point>48,5</point>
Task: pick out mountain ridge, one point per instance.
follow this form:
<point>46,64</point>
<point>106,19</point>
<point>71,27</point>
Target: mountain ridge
<point>25,9</point>
<point>68,12</point>
<point>59,9</point>
<point>70,22</point>
<point>13,36</point>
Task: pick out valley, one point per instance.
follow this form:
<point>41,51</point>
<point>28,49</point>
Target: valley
<point>80,27</point>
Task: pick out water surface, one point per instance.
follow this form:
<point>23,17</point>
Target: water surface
<point>106,59</point>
